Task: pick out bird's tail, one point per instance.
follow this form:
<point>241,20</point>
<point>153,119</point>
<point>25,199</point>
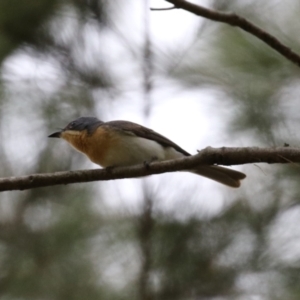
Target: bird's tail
<point>222,175</point>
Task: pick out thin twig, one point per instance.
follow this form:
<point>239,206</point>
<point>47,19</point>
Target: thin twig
<point>235,20</point>
<point>162,9</point>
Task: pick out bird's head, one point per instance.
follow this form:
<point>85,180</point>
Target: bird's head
<point>77,128</point>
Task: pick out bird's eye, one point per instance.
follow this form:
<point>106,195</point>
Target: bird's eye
<point>71,125</point>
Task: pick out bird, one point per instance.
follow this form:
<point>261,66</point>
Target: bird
<point>124,143</point>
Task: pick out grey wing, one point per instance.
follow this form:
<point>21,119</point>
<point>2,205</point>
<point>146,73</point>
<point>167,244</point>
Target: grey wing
<point>144,132</point>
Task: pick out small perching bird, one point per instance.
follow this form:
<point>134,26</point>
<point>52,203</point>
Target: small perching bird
<point>123,143</point>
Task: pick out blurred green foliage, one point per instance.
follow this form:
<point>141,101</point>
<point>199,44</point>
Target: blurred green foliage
<point>63,242</point>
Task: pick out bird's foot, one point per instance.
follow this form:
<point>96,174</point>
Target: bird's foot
<point>109,169</point>
<point>148,162</point>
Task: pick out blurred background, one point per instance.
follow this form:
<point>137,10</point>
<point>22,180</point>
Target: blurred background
<point>200,83</point>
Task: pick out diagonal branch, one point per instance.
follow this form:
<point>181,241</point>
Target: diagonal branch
<point>220,156</point>
<point>235,20</point>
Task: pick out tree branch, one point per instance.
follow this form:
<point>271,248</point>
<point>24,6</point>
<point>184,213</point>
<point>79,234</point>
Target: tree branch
<point>161,9</point>
<point>220,156</point>
<point>235,20</point>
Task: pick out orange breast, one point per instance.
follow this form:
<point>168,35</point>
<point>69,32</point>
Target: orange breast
<point>96,146</point>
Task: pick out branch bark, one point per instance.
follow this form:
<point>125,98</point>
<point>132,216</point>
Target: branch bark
<point>219,156</point>
<point>235,20</point>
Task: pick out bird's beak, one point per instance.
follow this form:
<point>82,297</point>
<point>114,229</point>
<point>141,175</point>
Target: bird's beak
<point>55,135</point>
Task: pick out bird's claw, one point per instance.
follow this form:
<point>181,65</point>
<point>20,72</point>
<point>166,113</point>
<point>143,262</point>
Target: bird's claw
<point>148,162</point>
